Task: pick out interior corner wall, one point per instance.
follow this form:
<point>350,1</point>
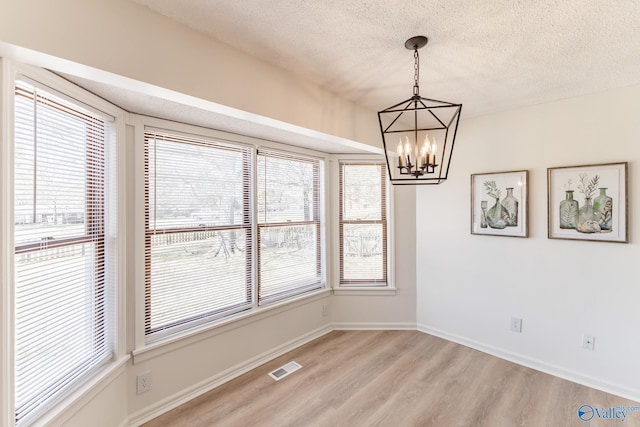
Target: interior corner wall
<point>127,39</point>
<point>469,286</point>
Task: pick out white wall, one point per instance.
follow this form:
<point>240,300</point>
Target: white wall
<point>469,286</point>
<point>103,407</point>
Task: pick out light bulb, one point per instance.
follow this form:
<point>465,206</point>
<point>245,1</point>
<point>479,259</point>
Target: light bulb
<point>399,151</point>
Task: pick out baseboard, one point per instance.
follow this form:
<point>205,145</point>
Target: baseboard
<point>536,364</point>
<point>177,399</point>
<point>355,326</point>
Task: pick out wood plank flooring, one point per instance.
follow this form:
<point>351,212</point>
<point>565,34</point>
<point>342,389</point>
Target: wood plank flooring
<point>395,378</point>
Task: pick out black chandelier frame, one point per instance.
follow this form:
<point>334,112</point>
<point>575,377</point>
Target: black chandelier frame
<point>403,119</point>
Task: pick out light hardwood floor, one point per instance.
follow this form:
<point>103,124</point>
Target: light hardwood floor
<point>395,378</point>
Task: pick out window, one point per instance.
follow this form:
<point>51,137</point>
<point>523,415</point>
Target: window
<point>198,236</point>
<point>288,225</point>
<point>363,223</point>
<point>63,265</point>
<point>227,228</point>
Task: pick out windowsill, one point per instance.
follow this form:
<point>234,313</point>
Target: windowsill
<point>365,290</point>
<point>190,337</point>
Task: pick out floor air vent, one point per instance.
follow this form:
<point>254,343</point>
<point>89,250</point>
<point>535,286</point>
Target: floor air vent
<point>285,370</point>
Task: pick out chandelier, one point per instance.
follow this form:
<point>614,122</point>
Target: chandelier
<point>418,134</point>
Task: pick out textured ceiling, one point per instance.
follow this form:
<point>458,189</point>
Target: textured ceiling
<point>490,55</point>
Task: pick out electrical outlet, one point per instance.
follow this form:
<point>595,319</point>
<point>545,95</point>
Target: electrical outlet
<point>516,324</point>
<point>325,310</point>
<point>588,341</point>
<point>144,382</point>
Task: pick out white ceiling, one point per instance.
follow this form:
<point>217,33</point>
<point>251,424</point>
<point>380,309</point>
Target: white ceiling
<point>490,55</point>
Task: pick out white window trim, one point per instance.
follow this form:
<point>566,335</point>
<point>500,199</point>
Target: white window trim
<point>65,404</point>
<point>143,350</point>
<point>360,290</point>
<point>6,244</point>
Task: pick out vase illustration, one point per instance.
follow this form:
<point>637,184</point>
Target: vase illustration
<point>510,203</point>
<point>585,213</point>
<point>586,222</point>
<point>497,216</point>
<point>603,209</point>
<point>569,211</point>
<point>483,214</point>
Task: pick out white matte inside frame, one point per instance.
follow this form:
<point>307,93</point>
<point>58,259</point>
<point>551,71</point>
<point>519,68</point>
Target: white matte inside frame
<point>517,181</point>
<point>612,177</point>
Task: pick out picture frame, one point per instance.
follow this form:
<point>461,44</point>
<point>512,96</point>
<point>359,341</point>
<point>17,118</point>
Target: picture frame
<point>588,202</point>
<point>500,203</point>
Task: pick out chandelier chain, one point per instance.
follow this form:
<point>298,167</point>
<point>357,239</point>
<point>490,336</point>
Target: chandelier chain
<point>416,71</point>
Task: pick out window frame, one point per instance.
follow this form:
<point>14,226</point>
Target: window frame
<point>145,349</point>
<point>174,328</point>
<point>316,221</point>
<point>364,287</point>
<point>69,398</point>
<point>94,233</point>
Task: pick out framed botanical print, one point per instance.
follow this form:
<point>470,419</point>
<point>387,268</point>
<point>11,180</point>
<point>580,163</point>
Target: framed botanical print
<point>499,203</point>
<point>588,202</point>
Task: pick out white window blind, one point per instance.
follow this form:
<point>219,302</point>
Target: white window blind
<point>363,223</point>
<point>62,290</point>
<point>198,231</point>
<point>289,257</point>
